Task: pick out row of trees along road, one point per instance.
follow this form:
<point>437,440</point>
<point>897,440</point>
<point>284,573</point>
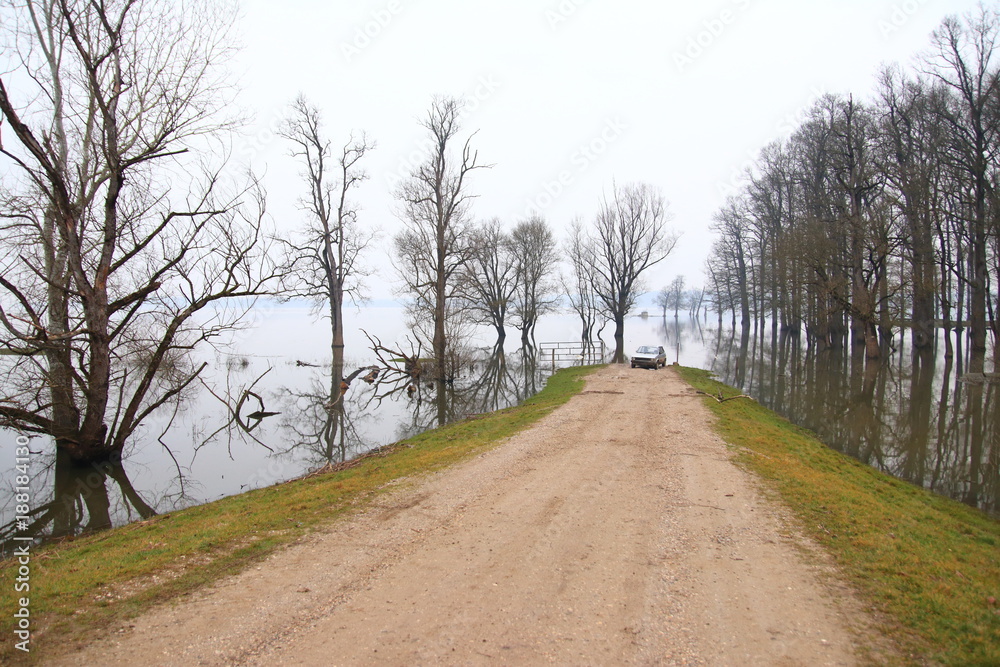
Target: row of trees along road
<point>872,215</point>
<point>455,271</point>
<point>127,243</point>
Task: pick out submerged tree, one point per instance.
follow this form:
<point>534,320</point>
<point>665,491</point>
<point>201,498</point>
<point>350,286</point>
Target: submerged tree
<point>727,264</point>
<point>579,286</point>
<point>534,249</point>
<point>962,60</point>
<point>120,244</point>
<point>676,292</point>
<point>323,265</point>
<point>434,246</point>
<point>912,161</point>
<point>880,215</point>
<point>489,280</point>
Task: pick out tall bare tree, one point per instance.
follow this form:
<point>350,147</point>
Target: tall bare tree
<point>962,59</point>
<point>913,141</point>
<point>534,248</point>
<point>629,236</point>
<point>434,246</point>
<point>324,265</point>
<point>579,286</point>
<point>120,245</point>
<point>490,277</point>
<point>858,187</point>
<point>677,295</point>
<point>728,260</point>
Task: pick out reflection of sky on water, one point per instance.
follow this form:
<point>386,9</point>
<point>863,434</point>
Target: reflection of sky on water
<point>280,335</point>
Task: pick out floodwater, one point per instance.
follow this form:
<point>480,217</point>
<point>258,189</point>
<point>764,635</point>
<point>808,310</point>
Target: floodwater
<point>930,421</point>
<point>924,424</point>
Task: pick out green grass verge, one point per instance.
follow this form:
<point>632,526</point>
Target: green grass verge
<point>929,564</point>
<point>81,588</point>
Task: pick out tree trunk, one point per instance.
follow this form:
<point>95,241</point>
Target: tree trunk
<point>924,288</point>
<point>65,413</point>
<point>978,270</point>
<point>439,343</point>
<point>337,341</point>
<point>619,357</point>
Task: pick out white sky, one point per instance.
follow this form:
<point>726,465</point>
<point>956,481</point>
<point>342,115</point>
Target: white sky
<point>567,96</point>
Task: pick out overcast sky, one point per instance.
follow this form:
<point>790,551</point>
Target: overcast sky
<point>567,96</point>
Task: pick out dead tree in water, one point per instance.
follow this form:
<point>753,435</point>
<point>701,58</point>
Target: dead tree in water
<point>324,264</point>
<point>434,246</point>
<point>395,364</point>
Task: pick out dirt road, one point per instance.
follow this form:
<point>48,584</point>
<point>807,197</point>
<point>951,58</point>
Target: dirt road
<point>616,531</point>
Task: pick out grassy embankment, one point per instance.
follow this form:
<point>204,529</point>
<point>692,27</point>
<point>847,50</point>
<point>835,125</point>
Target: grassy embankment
<point>85,586</point>
<point>929,564</point>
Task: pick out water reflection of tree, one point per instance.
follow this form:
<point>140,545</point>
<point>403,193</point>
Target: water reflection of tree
<point>315,423</point>
<point>99,495</point>
<point>491,386</point>
<point>882,414</point>
<point>82,501</point>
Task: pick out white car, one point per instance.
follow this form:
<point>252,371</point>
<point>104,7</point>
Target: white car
<point>649,356</point>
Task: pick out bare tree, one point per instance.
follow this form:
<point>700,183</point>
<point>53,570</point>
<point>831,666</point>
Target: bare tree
<point>629,235</point>
<point>696,299</point>
<point>434,246</point>
<point>579,287</point>
<point>858,186</point>
<point>913,140</point>
<point>677,295</point>
<point>324,264</point>
<point>662,300</point>
<point>883,213</point>
<point>962,60</point>
<point>490,277</point>
<point>534,248</point>
<point>120,247</point>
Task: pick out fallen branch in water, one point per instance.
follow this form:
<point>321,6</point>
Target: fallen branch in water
<point>722,399</point>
